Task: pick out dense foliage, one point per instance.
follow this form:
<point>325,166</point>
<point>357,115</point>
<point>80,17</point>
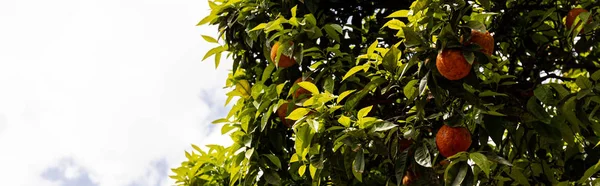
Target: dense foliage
<point>376,99</point>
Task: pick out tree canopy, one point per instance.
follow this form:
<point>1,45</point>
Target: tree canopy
<point>334,92</point>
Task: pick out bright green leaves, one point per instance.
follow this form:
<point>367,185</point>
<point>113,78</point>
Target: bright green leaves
<point>354,70</point>
<point>410,89</point>
<point>411,38</point>
<point>399,13</point>
<point>481,161</point>
<point>394,24</point>
<point>298,113</point>
<point>309,86</point>
<point>345,121</point>
<point>217,52</point>
<point>375,83</point>
<point>344,95</point>
<point>209,39</point>
<point>391,59</point>
<point>589,172</point>
<point>364,121</point>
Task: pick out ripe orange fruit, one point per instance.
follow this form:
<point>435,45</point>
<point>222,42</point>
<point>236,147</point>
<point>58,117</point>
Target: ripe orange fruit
<point>572,15</point>
<point>452,140</point>
<point>452,64</point>
<point>301,91</point>
<point>284,61</point>
<point>484,40</point>
<point>409,178</point>
<point>282,112</point>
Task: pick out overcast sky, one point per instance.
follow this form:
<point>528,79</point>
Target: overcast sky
<point>104,92</point>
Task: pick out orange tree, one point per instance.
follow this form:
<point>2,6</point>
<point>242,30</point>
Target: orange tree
<point>425,92</point>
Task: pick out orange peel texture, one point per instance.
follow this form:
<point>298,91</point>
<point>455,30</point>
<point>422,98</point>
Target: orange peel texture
<point>452,140</point>
<point>484,40</point>
<point>282,112</point>
<point>284,61</point>
<point>452,64</point>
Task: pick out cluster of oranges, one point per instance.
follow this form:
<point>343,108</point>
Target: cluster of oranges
<point>286,61</point>
<point>452,64</point>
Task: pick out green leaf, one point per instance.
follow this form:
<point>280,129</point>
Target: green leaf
<point>485,3</point>
<point>364,111</point>
<point>267,72</point>
<point>469,56</point>
<point>384,126</point>
<point>410,91</point>
<point>213,51</point>
<point>537,110</point>
<point>301,170</point>
<point>487,93</point>
<point>274,160</point>
<point>390,60</point>
<point>476,25</point>
<point>259,27</point>
<point>344,120</point>
<point>343,95</point>
<point>272,177</point>
<point>481,161</point>
<point>583,82</point>
<point>309,86</point>
<point>217,59</point>
<point>352,71</point>
<point>544,94</point>
<point>293,10</point>
<point>280,87</point>
<point>452,171</point>
<point>562,91</point>
<point>412,38</point>
<point>394,24</point>
<point>298,113</point>
<point>197,148</point>
<point>423,84</point>
<point>294,158</point>
<point>460,176</point>
<point>358,165</point>
<point>399,13</point>
<point>226,128</point>
<point>518,176</point>
<point>249,153</point>
<point>422,156</point>
<point>313,170</point>
<point>332,33</point>
<point>207,19</point>
<point>265,119</point>
<point>372,47</point>
<point>371,86</point>
<point>222,120</point>
<point>568,111</point>
<point>209,39</point>
<point>329,84</point>
<point>596,75</point>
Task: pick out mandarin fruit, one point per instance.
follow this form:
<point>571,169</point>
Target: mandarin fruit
<point>452,64</point>
<point>284,61</point>
<point>452,140</point>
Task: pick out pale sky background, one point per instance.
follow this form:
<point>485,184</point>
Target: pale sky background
<point>104,92</point>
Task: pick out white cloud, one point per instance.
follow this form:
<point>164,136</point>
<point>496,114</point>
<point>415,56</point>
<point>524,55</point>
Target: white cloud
<point>114,85</point>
